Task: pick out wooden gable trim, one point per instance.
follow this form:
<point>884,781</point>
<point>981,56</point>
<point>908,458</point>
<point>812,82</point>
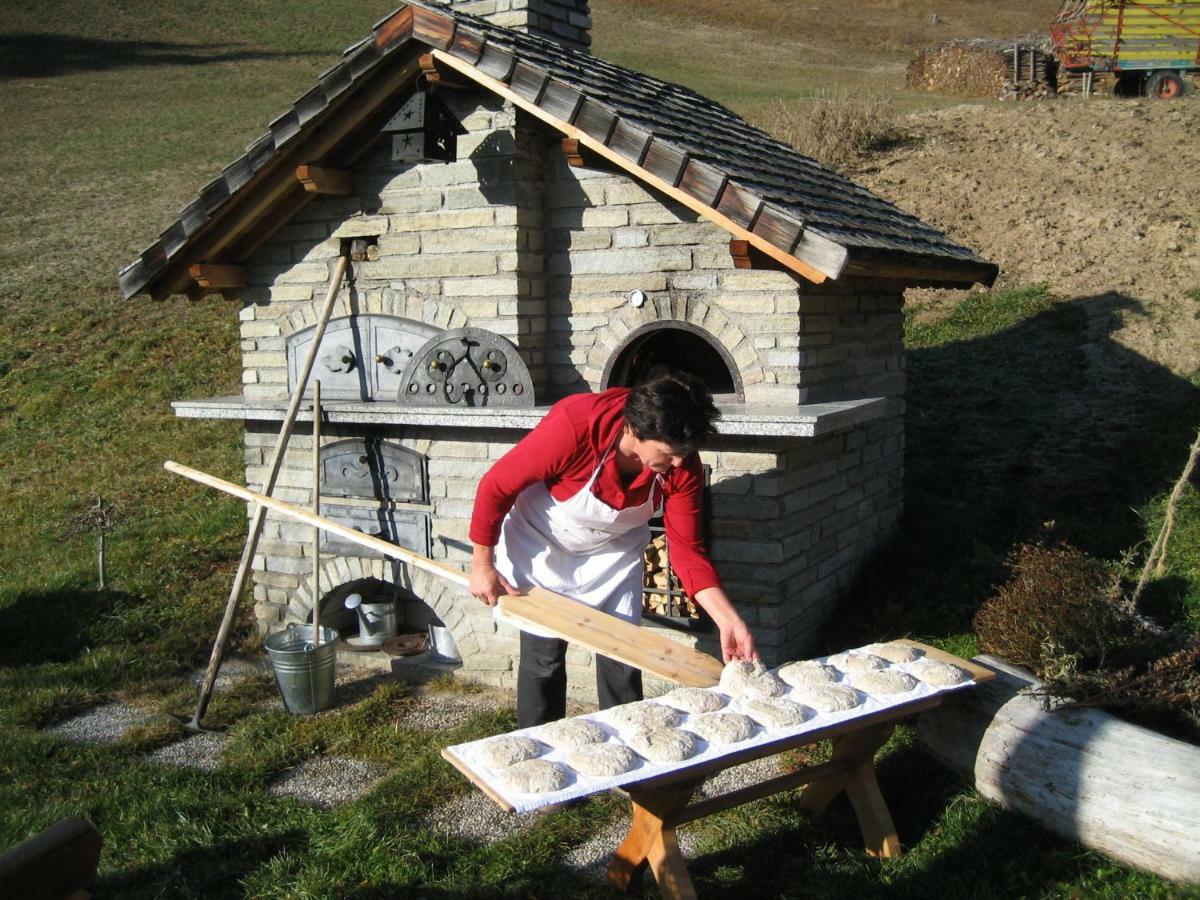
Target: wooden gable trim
<point>324,180</point>
<point>216,276</point>
<point>255,215</point>
<point>623,161</point>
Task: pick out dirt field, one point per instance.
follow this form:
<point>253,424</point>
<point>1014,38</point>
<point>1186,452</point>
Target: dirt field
<point>1095,197</point>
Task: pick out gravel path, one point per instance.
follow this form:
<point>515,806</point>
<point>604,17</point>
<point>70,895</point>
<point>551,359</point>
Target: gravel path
<point>474,817</point>
<point>101,724</point>
<point>200,751</point>
<point>328,781</point>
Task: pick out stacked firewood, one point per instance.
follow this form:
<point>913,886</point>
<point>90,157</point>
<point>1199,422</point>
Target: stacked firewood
<point>979,67</point>
<point>659,581</point>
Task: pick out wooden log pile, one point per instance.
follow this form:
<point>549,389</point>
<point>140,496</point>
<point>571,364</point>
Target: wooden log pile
<point>659,582</point>
<point>980,67</point>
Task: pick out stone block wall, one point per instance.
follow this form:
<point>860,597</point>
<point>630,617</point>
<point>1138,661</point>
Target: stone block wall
<point>511,239</point>
<point>566,22</point>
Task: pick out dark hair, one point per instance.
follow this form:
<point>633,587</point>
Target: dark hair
<point>674,408</point>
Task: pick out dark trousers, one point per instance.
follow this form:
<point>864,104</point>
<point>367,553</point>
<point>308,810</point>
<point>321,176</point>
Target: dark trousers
<point>542,681</point>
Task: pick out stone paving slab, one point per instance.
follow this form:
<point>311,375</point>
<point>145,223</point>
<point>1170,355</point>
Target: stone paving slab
<point>200,751</point>
<point>104,724</point>
<point>328,781</point>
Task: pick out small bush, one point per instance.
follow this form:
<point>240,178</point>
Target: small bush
<point>834,129</point>
<point>1059,612</point>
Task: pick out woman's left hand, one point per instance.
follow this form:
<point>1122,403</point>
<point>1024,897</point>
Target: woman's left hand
<point>737,642</point>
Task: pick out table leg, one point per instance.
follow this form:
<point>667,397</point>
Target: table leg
<point>860,785</point>
<point>652,841</point>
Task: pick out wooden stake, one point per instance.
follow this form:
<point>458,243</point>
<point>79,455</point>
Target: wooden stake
<point>260,512</point>
<point>316,508</point>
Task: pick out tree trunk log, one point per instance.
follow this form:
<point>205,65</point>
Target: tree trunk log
<point>1083,774</point>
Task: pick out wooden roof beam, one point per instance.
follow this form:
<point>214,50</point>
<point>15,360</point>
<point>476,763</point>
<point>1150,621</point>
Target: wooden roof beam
<point>585,140</point>
<point>438,76</point>
<point>747,256</point>
<point>322,180</point>
<point>218,276</point>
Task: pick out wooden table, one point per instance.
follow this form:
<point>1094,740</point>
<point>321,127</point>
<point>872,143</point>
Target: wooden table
<point>663,803</point>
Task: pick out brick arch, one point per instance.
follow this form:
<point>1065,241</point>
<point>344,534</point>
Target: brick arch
<point>388,302</point>
<point>709,320</point>
<point>445,601</point>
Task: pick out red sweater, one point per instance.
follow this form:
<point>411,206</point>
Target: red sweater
<point>563,451</point>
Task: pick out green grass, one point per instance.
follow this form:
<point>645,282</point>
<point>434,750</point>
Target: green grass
<point>116,113</point>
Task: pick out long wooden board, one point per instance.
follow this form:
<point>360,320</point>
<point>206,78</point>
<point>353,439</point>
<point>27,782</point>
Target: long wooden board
<point>590,628</point>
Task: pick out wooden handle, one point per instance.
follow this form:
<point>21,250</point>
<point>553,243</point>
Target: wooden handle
<point>597,631</point>
<point>458,576</point>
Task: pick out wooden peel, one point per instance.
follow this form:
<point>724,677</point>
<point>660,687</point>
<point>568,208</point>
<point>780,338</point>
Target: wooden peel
<point>574,621</point>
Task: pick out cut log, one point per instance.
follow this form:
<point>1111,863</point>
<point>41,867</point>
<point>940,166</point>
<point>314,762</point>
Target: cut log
<point>1081,773</point>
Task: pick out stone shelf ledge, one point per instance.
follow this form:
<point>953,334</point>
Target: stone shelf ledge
<point>811,420</point>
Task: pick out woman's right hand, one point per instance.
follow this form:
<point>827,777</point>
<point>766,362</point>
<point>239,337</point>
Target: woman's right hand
<point>486,583</point>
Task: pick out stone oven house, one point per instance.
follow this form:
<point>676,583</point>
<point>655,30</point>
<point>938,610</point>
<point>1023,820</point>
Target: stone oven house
<point>567,223</point>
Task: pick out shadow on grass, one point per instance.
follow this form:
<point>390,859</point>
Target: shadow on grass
<point>31,55</point>
<point>56,625</point>
<point>1047,421</point>
<point>212,871</point>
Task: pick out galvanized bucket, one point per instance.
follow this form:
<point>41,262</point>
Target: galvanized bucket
<point>303,671</point>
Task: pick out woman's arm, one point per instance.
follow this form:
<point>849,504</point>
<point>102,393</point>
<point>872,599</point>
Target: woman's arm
<point>736,640</point>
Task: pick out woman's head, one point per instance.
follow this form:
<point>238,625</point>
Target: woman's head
<point>675,409</point>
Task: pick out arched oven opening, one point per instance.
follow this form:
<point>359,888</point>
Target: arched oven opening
<point>678,347</point>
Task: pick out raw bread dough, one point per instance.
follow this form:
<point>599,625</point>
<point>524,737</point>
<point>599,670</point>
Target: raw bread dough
<point>723,727</point>
<point>775,713</point>
<point>806,671</point>
<point>749,679</point>
<point>897,653</point>
<point>695,700</point>
<point>643,715</point>
<point>829,697</point>
<point>665,744</point>
<point>501,752</point>
<point>857,661</point>
<point>886,682</point>
<point>571,733</point>
<point>534,776</point>
<point>602,760</point>
<point>938,673</point>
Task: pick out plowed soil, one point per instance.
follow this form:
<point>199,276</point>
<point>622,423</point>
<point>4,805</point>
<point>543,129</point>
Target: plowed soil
<point>1090,197</point>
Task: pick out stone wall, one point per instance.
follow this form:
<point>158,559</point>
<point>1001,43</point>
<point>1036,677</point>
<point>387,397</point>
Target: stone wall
<point>566,22</point>
<point>511,239</point>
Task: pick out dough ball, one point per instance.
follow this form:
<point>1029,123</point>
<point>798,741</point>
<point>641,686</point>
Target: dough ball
<point>643,715</point>
<point>570,733</point>
<point>723,727</point>
<point>855,661</point>
<point>829,697</point>
<point>602,760</point>
<point>807,671</point>
<point>534,776</point>
<point>665,744</point>
<point>886,682</point>
<point>775,713</point>
<point>501,752</point>
<point>897,653</point>
<point>695,700</point>
<point>748,679</point>
<point>938,673</point>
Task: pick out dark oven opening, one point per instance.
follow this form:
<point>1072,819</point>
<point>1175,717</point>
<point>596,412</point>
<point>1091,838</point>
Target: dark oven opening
<point>678,347</point>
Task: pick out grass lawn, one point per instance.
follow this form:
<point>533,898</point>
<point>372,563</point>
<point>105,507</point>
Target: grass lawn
<point>116,113</point>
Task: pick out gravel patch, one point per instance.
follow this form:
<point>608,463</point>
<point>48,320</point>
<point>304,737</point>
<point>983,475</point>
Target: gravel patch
<point>200,751</point>
<point>328,781</point>
<point>101,724</point>
<point>740,776</point>
<point>591,858</point>
<point>476,818</point>
<point>440,711</point>
<point>232,671</point>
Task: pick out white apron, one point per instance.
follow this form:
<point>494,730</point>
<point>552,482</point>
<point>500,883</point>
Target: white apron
<point>579,547</point>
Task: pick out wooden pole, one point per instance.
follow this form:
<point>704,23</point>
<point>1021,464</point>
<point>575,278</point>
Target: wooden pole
<point>260,513</point>
<point>316,508</point>
<point>598,631</point>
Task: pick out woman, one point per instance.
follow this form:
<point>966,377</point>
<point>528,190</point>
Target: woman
<point>567,510</point>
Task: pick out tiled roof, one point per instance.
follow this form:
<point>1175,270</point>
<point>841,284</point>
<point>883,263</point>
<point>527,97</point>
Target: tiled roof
<point>663,129</point>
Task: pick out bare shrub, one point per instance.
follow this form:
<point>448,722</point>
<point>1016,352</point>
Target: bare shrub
<point>1060,611</point>
<point>835,129</point>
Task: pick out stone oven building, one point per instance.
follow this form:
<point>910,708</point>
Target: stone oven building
<point>581,222</point>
